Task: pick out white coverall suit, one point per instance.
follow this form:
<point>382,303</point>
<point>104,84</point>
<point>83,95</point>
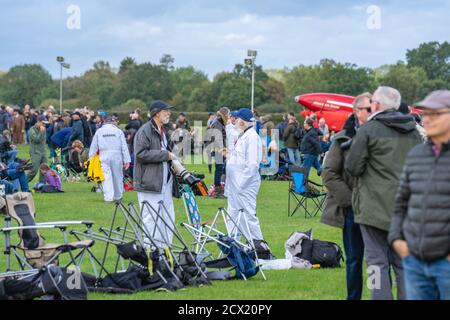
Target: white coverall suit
<point>153,199</point>
<point>242,183</point>
<point>110,141</point>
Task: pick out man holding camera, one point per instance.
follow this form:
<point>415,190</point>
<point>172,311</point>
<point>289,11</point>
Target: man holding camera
<point>153,179</point>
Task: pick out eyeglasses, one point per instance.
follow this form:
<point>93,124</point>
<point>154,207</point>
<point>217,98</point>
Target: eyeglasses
<point>434,115</point>
<point>368,109</point>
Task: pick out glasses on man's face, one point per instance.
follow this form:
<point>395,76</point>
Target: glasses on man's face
<point>434,114</point>
<point>368,109</point>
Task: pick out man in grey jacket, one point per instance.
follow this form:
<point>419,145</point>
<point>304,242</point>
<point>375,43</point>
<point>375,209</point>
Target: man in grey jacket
<point>420,229</point>
<point>153,179</point>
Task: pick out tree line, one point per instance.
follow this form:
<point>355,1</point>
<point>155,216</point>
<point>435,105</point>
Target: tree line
<point>134,85</point>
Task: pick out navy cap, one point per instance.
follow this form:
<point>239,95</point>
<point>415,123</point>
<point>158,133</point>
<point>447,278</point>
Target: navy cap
<point>234,114</point>
<point>41,118</point>
<point>110,119</point>
<point>245,114</point>
<point>158,105</point>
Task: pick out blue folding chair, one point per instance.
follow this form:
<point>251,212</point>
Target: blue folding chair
<point>305,193</point>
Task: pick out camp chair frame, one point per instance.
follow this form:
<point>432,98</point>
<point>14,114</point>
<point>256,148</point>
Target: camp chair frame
<point>133,230</point>
<point>200,231</point>
<point>304,197</point>
<point>49,253</point>
<point>236,232</point>
<point>169,224</point>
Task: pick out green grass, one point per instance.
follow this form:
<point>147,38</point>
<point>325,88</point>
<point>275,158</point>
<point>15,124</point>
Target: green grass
<point>79,203</point>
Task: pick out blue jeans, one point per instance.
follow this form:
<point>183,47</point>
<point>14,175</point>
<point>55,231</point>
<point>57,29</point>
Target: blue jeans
<point>9,187</point>
<point>13,174</point>
<point>427,280</point>
<point>354,253</point>
<point>294,156</point>
<point>312,160</point>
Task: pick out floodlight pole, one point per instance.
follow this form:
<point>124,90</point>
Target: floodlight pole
<point>252,54</point>
<point>60,89</point>
<point>253,81</point>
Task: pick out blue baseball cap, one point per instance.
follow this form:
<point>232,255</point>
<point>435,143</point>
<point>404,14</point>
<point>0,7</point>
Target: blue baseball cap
<point>158,105</point>
<point>234,114</point>
<point>245,114</point>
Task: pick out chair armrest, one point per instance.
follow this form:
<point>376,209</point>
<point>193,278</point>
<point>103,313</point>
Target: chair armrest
<point>49,226</point>
<point>65,223</point>
<point>316,184</point>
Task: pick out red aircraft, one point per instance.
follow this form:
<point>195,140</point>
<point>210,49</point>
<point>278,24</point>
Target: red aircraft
<point>334,108</point>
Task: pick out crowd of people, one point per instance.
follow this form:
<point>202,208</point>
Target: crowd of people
<point>386,173</point>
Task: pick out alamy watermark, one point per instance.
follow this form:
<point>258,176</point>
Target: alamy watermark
<point>74,19</point>
<point>373,22</point>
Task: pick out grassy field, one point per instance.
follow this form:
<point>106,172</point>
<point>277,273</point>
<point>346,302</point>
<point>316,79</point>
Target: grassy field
<point>79,203</point>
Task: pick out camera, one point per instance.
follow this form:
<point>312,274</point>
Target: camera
<point>188,178</point>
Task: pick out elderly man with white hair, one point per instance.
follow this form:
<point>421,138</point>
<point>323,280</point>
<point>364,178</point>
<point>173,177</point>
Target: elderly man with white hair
<point>376,160</point>
<point>243,181</point>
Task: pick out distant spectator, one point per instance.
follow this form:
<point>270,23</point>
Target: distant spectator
<point>77,126</point>
<point>291,142</point>
<point>4,119</point>
<point>52,180</point>
<point>18,127</point>
<point>310,147</point>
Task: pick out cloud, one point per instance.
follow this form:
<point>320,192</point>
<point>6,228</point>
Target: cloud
<point>134,31</point>
<point>213,37</point>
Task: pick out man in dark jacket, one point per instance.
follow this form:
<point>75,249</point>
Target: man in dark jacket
<point>291,142</point>
<point>4,119</point>
<point>78,130</point>
<point>420,229</point>
<point>376,160</point>
<point>219,139</point>
<point>153,179</point>
<point>338,211</point>
<point>310,147</point>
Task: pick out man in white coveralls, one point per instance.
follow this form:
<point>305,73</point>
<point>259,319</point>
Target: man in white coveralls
<point>109,140</point>
<point>243,179</point>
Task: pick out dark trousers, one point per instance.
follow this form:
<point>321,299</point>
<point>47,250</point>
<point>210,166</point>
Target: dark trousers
<point>354,253</point>
<point>220,169</point>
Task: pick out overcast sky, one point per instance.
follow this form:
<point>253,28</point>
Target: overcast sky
<point>214,35</point>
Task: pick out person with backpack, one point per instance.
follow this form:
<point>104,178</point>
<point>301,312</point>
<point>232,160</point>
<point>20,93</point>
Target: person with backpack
<point>291,141</point>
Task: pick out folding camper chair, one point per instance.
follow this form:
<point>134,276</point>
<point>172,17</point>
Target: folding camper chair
<point>304,192</point>
<point>201,231</point>
<point>36,252</point>
<point>204,233</point>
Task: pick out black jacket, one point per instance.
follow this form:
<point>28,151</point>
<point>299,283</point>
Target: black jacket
<point>422,208</point>
<point>310,143</point>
